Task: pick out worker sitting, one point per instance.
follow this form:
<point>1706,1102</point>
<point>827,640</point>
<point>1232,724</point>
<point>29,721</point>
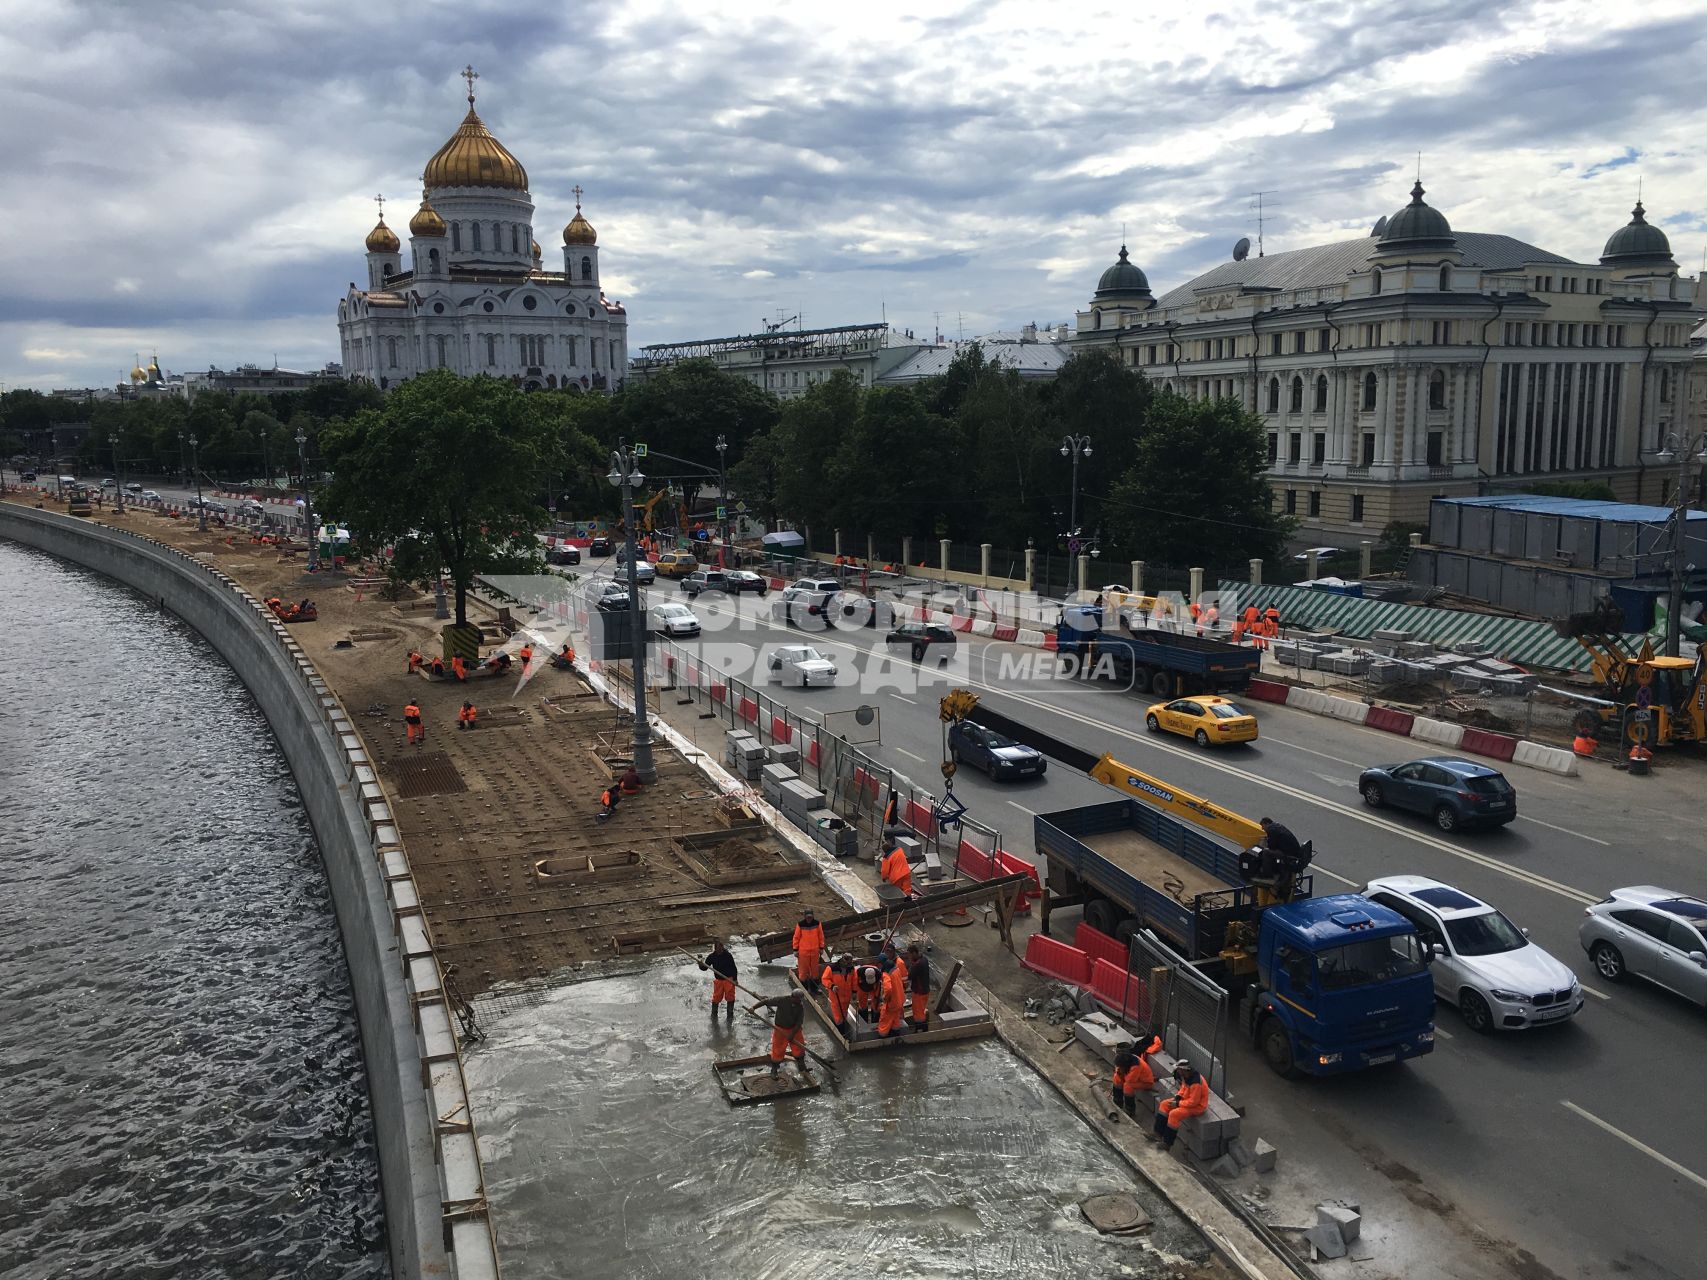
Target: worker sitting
<point>896,870</point>
<point>629,784</point>
<point>1190,1099</point>
<point>808,944</point>
<point>1133,1075</point>
<point>467,717</point>
<point>437,667</point>
<point>415,661</point>
<point>609,799</point>
<point>564,658</point>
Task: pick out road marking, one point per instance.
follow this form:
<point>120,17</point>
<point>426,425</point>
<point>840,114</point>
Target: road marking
<point>903,698</point>
<point>1441,1033</point>
<point>1297,746</point>
<point>1524,817</point>
<point>909,754</point>
<point>1598,995</point>
<point>1637,1143</point>
<point>806,713</point>
<point>1016,804</point>
<point>1334,875</point>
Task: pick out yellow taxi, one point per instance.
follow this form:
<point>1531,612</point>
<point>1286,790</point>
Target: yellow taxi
<point>677,564</point>
<point>1208,719</point>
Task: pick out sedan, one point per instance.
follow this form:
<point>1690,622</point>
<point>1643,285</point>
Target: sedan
<point>645,572</point>
<point>600,546</point>
<point>149,495</point>
<point>800,664</point>
<point>563,553</point>
<point>1206,720</point>
<point>921,637</point>
<point>674,619</point>
<point>994,753</point>
<point>132,487</point>
<point>1653,933</point>
<point>1455,793</point>
<point>736,581</point>
<point>1483,963</point>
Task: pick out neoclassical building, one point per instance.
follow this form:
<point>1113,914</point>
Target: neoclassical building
<point>1419,361</point>
<point>474,295</point>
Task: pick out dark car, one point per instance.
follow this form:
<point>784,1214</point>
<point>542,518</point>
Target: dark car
<point>921,637</point>
<point>599,547</point>
<point>1455,793</point>
<point>997,755</point>
<point>736,581</point>
<point>27,476</point>
<point>611,596</point>
<point>563,553</point>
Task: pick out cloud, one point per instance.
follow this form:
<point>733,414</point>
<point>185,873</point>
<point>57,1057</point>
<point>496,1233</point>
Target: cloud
<point>199,175</point>
<point>51,353</point>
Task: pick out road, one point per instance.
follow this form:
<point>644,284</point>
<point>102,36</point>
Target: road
<point>1581,1145</point>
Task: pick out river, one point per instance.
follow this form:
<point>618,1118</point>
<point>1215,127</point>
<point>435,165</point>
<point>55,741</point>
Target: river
<point>184,1091</point>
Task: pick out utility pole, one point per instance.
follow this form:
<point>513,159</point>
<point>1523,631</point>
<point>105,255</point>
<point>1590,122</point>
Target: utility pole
<point>625,474</point>
<point>118,477</point>
<point>1075,447</point>
<point>308,503</point>
<point>196,466</point>
<point>723,497</point>
<point>1683,450</point>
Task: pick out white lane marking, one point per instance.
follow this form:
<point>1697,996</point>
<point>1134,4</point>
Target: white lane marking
<point>1298,746</point>
<point>1334,875</point>
<point>903,698</point>
<point>1016,804</point>
<point>806,713</point>
<point>1524,817</point>
<point>1441,1033</point>
<point>910,755</point>
<point>1637,1143</point>
<point>1598,995</point>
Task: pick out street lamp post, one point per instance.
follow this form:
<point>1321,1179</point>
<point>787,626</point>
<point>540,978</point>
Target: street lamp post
<point>118,477</point>
<point>1682,450</point>
<point>196,466</point>
<point>723,494</point>
<point>1075,447</point>
<point>625,475</point>
<point>308,503</point>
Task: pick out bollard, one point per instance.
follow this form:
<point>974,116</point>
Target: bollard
<point>1196,591</point>
<point>907,552</point>
<point>1256,572</point>
<point>1365,558</point>
<point>1031,569</point>
<point>943,544</point>
<point>1084,573</point>
<point>984,549</point>
<point>1137,577</point>
<point>838,544</point>
<point>1310,559</point>
<point>870,551</point>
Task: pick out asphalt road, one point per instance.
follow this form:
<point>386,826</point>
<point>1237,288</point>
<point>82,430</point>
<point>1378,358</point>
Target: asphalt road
<point>1582,1145</point>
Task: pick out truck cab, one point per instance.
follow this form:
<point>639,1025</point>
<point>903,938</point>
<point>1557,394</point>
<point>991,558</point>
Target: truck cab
<point>1342,984</point>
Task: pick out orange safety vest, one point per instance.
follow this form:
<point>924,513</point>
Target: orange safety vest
<point>808,939</point>
<point>412,714</point>
<point>467,714</point>
<point>1191,1100</point>
<point>527,654</point>
<point>897,871</point>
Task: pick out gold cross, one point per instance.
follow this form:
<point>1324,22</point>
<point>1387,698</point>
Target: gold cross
<point>471,75</point>
<point>380,201</point>
<point>577,190</point>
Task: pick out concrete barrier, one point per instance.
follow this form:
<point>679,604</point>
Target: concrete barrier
<point>1482,742</point>
<point>430,1177</point>
<point>1437,731</point>
<point>1390,720</point>
<point>1552,759</point>
<point>1347,709</point>
<point>1268,690</point>
<point>1027,636</point>
<point>1307,700</point>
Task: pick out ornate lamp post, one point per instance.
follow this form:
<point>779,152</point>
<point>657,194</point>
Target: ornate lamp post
<point>118,477</point>
<point>1075,447</point>
<point>308,503</point>
<point>723,495</point>
<point>625,474</point>
<point>196,466</point>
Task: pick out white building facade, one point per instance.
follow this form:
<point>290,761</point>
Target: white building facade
<point>473,295</point>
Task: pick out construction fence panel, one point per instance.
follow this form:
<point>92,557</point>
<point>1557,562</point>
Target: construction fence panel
<point>1185,1008</point>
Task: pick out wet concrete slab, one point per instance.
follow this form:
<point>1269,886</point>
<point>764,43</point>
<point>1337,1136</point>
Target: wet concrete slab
<point>610,1152</point>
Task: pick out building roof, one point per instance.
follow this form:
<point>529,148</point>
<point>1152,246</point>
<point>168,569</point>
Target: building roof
<point>1576,508</point>
<point>1031,358</point>
<point>1418,225</point>
<point>1331,264</point>
<point>1123,279</point>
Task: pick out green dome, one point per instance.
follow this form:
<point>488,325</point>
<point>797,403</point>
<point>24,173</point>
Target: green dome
<point>1122,280</point>
<point>1638,244</point>
<point>1417,226</point>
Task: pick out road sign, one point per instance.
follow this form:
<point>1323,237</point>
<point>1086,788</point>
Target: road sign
<point>722,512</point>
<point>741,508</point>
<point>1073,546</point>
<point>640,451</point>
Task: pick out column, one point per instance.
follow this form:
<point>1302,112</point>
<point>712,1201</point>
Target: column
<point>1196,590</point>
<point>838,543</point>
<point>943,545</point>
<point>1138,576</point>
<point>1084,573</point>
<point>1031,568</point>
<point>907,552</point>
<point>870,551</point>
<point>984,549</point>
<point>1365,558</point>
<point>1256,571</point>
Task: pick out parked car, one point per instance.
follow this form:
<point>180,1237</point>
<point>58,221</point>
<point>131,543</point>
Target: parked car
<point>738,580</point>
<point>1653,933</point>
<point>1455,793</point>
<point>677,564</point>
<point>921,637</point>
<point>830,585</point>
<point>1205,718</point>
<point>800,664</point>
<point>210,505</point>
<point>600,546</point>
<point>705,580</point>
<point>249,507</point>
<point>26,476</point>
<point>996,754</point>
<point>610,596</point>
<point>1483,964</point>
<point>563,553</point>
<point>674,618</point>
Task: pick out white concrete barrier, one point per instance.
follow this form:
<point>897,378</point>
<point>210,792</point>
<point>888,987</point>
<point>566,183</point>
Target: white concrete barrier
<point>1030,637</point>
<point>1447,735</point>
<point>1306,699</point>
<point>1348,709</point>
<point>980,627</point>
<point>1552,759</point>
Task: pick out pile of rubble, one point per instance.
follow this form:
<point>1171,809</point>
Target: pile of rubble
<point>1393,657</point>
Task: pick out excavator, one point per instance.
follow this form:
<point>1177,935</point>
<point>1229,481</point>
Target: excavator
<point>1655,700</point>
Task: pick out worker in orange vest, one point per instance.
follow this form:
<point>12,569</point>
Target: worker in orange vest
<point>1211,616</point>
<point>897,870</point>
<point>1197,617</point>
<point>868,984</point>
<point>1133,1075</point>
<point>808,946</point>
<point>526,656</point>
<point>1190,1099</point>
<point>722,966</point>
<point>415,661</point>
<point>919,984</point>
<point>838,982</point>
<point>412,722</point>
<point>466,717</point>
<point>788,1031</point>
<point>892,999</point>
<point>1584,744</point>
<point>459,668</point>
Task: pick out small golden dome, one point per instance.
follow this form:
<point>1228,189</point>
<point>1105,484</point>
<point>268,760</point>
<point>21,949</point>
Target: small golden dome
<point>426,221</point>
<point>579,230</point>
<point>537,251</point>
<point>136,371</point>
<point>154,365</point>
<point>382,239</point>
<point>474,158</point>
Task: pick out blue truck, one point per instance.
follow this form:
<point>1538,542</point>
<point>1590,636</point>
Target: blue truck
<point>1326,985</point>
<point>1168,664</point>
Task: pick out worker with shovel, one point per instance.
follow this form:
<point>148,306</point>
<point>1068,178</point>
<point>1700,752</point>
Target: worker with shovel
<point>723,972</point>
<point>788,1031</point>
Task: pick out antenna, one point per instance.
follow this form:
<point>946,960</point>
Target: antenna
<point>960,325</point>
<point>938,317</point>
<point>1419,168</point>
<point>1257,204</point>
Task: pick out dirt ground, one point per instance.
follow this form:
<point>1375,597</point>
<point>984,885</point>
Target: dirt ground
<point>484,813</point>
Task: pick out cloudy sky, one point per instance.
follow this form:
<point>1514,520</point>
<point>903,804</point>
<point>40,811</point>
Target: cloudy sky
<point>197,178</point>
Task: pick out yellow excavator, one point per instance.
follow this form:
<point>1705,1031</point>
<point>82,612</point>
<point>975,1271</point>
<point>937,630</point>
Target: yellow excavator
<point>1655,700</point>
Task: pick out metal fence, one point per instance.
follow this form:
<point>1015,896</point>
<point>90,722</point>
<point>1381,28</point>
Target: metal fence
<point>1180,1004</point>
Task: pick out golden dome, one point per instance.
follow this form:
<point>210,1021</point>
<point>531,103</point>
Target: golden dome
<point>474,158</point>
<point>136,371</point>
<point>382,239</point>
<point>426,221</point>
<point>579,230</point>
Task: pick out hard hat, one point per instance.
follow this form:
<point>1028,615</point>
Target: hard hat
<point>1184,1067</point>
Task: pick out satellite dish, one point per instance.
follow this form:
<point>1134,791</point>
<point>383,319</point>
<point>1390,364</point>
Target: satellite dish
<point>1242,250</point>
<point>1380,227</point>
<point>865,714</point>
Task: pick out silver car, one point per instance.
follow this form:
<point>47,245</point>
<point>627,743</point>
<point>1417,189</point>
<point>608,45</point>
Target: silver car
<point>1653,933</point>
<point>800,664</point>
<point>1483,963</point>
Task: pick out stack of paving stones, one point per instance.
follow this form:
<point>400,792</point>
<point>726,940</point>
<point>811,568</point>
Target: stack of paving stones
<point>743,754</point>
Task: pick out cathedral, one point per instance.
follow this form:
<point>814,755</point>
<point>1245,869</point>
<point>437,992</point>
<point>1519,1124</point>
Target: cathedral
<point>475,296</point>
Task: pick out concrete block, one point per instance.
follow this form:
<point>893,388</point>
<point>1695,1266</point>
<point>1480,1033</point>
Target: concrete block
<point>914,847</point>
<point>1552,759</point>
<point>1101,1036</point>
<point>1327,1241</point>
<point>932,865</point>
<point>1264,1154</point>
<point>1343,1218</point>
<point>783,753</point>
<point>1240,1150</point>
<point>1226,1167</point>
<point>962,1017</point>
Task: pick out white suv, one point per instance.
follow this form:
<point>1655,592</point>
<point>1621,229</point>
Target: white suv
<point>1483,963</point>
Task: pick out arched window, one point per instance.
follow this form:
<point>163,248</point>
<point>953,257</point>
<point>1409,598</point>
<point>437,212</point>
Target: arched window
<point>1297,402</point>
<point>433,261</point>
<point>1375,280</point>
<point>586,268</point>
<point>1274,395</point>
<point>1321,395</point>
<point>1446,279</point>
<point>497,237</point>
<point>1437,390</point>
<point>1369,385</point>
<point>476,228</point>
<point>515,238</point>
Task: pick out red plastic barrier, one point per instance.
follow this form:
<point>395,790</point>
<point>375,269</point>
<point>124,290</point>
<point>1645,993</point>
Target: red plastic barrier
<point>719,691</point>
<point>781,730</point>
<point>1006,633</point>
<point>975,864</point>
<point>811,751</point>
<point>1099,946</point>
<point>669,664</point>
<point>919,817</point>
<point>776,584</point>
<point>748,709</point>
<point>866,782</point>
<point>1389,719</point>
<point>1049,641</point>
<point>1008,865</point>
<point>1498,745</point>
<point>1108,982</point>
<point>1057,960</point>
<point>1267,690</point>
<point>961,622</point>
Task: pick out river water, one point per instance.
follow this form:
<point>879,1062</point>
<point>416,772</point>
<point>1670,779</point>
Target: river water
<point>183,1086</point>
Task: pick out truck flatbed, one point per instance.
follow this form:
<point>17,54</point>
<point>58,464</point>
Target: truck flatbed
<point>1139,856</point>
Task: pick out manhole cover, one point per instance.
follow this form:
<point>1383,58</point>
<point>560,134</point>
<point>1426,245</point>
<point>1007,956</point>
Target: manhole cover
<point>1114,1213</point>
<point>431,774</point>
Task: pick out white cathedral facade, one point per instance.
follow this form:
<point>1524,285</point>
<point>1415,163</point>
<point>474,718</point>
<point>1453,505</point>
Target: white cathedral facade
<point>474,296</point>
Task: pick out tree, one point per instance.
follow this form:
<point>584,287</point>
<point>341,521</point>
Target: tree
<point>684,409</point>
<point>1095,395</point>
<point>447,472</point>
<point>810,431</point>
<point>1197,492</point>
<point>755,477</point>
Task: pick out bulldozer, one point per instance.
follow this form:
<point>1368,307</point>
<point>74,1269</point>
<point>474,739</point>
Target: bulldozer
<point>1655,700</point>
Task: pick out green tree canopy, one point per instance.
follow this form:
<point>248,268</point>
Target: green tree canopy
<point>447,471</point>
